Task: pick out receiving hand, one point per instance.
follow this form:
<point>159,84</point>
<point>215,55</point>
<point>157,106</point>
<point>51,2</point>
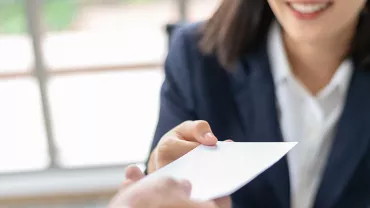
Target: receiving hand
<point>160,193</point>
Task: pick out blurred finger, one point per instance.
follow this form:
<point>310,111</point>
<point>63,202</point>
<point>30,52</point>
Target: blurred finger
<point>192,204</point>
<point>134,173</point>
<point>196,131</point>
<point>125,184</point>
<point>172,149</point>
<point>186,187</point>
<point>174,187</point>
<point>208,204</point>
<point>224,202</point>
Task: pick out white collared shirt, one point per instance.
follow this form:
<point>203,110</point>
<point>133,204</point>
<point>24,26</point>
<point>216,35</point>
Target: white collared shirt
<point>309,120</point>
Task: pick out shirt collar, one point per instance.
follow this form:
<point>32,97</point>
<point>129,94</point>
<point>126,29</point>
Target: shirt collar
<point>280,66</point>
<point>342,76</point>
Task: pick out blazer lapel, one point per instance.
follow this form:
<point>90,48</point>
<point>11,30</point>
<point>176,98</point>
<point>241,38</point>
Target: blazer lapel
<point>351,141</point>
<point>254,94</point>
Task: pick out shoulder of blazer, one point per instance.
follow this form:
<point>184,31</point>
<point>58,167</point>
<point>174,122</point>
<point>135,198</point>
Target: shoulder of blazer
<point>185,61</point>
<point>184,46</point>
<point>195,76</point>
<point>180,64</point>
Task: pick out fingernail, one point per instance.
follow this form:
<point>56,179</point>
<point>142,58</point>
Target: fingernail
<point>229,140</point>
<point>210,136</point>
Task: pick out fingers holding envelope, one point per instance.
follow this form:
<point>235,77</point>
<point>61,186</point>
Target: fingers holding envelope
<point>179,141</point>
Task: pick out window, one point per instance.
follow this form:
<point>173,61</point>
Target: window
<point>21,121</point>
<point>21,126</point>
<point>104,107</point>
<point>80,82</point>
<point>201,9</point>
<point>100,120</point>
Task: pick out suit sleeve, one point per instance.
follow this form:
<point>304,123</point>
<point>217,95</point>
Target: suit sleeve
<point>176,99</point>
<point>234,205</point>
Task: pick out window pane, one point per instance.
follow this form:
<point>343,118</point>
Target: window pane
<point>15,44</point>
<point>90,33</point>
<point>22,136</point>
<point>105,118</point>
<point>202,9</point>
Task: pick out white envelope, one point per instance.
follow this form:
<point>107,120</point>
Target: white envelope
<point>223,169</point>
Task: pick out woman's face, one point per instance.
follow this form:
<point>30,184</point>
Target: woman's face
<point>315,20</point>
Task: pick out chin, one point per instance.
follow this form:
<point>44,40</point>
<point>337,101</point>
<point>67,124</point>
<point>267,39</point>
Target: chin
<point>308,38</point>
<point>307,34</point>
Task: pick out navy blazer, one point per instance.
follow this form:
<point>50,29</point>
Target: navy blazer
<point>240,105</point>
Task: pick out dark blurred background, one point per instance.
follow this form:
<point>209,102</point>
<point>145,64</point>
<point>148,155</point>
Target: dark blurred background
<point>79,90</point>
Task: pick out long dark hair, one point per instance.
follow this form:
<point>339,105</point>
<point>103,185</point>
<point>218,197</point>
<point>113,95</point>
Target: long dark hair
<point>239,26</point>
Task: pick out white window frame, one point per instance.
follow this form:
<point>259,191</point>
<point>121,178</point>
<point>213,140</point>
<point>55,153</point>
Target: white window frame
<point>57,180</point>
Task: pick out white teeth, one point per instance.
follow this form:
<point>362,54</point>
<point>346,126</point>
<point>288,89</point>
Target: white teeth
<point>308,8</point>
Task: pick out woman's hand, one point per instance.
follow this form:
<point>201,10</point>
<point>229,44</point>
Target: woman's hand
<point>179,141</point>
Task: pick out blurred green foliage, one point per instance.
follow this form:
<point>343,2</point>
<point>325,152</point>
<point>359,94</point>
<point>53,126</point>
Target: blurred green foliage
<point>11,17</point>
<point>57,14</point>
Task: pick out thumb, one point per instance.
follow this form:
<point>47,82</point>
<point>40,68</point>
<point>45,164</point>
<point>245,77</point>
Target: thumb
<point>207,204</point>
<point>133,173</point>
<point>196,131</point>
<point>192,204</point>
<point>224,202</point>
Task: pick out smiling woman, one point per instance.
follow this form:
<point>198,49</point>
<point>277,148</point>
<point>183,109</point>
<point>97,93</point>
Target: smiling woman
<point>276,71</point>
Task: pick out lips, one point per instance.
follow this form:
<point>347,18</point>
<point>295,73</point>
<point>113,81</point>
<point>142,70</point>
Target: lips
<point>308,10</point>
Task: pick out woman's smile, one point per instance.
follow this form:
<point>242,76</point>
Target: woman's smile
<point>308,10</point>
